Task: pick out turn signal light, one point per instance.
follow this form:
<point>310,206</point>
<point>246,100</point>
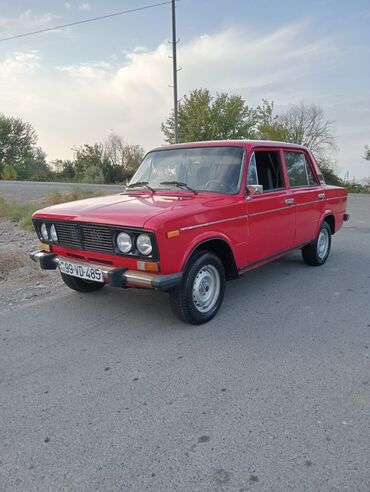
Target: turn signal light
<point>173,233</point>
<point>147,266</point>
<point>44,247</point>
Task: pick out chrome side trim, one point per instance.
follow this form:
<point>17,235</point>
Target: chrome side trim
<point>308,203</point>
<point>213,223</point>
<point>271,211</point>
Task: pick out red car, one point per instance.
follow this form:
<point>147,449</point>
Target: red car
<point>194,216</point>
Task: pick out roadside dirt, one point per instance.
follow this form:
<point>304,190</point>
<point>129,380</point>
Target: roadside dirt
<point>21,280</point>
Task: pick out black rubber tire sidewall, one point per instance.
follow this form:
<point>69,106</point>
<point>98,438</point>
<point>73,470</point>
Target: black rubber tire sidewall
<point>309,252</point>
<point>181,297</point>
<point>79,284</point>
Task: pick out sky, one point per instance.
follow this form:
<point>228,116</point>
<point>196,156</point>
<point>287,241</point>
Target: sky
<point>77,85</point>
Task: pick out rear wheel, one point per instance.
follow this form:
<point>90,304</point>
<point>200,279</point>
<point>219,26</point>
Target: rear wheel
<point>317,253</point>
<point>79,284</point>
<point>201,293</point>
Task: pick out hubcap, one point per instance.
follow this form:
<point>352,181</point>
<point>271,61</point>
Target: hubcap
<point>322,244</point>
<point>206,288</point>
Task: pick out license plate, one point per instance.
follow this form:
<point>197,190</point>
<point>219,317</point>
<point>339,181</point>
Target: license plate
<point>81,271</point>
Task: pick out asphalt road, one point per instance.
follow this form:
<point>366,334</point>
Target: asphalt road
<point>108,391</point>
<point>36,190</point>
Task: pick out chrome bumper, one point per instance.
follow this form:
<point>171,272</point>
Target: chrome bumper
<point>116,277</point>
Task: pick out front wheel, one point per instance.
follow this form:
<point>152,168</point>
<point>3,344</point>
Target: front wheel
<point>201,293</point>
<point>79,284</point>
<point>317,253</point>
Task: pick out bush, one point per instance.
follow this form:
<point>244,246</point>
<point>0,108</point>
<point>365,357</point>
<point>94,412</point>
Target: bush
<point>9,173</point>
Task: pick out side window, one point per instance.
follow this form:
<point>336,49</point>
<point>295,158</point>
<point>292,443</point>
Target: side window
<point>298,169</point>
<point>265,169</point>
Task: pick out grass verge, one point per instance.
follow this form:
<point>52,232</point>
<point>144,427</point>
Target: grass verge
<point>21,213</point>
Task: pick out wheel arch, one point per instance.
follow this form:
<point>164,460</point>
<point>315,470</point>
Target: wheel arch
<point>330,219</point>
<point>221,248</point>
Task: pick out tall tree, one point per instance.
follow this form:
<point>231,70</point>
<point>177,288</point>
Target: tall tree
<point>367,153</point>
<point>206,117</point>
<point>306,125</point>
<point>17,141</point>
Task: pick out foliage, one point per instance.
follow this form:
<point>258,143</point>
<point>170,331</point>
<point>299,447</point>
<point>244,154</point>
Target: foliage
<point>112,161</point>
<point>367,153</point>
<point>21,212</point>
<point>269,126</point>
<point>9,173</point>
<point>19,155</point>
<point>205,117</point>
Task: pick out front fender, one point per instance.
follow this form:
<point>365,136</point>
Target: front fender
<point>202,238</point>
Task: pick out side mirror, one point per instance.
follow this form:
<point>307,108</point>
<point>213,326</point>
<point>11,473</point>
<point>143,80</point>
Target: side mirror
<point>254,190</point>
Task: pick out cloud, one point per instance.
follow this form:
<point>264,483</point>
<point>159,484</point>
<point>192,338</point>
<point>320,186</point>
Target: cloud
<point>84,6</point>
<point>19,63</point>
<point>25,21</point>
<point>67,5</point>
<point>75,104</point>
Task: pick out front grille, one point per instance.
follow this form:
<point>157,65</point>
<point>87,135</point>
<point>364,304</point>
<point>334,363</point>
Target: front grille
<point>85,237</point>
<point>95,237</point>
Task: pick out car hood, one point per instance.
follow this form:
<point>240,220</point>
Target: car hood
<point>129,209</point>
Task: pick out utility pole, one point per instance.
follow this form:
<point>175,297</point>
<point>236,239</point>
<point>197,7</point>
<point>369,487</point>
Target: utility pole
<point>174,68</point>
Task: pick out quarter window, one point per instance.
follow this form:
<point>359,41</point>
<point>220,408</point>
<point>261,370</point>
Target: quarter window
<point>298,169</point>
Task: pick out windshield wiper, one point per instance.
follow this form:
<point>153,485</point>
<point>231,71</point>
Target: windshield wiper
<point>179,184</point>
<point>141,184</point>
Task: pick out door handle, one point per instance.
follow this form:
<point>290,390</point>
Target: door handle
<point>289,201</point>
<point>321,195</point>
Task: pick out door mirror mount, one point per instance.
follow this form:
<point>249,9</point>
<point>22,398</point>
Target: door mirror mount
<point>254,190</point>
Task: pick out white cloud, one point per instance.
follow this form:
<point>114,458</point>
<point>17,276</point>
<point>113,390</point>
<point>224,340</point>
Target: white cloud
<point>76,104</point>
<point>19,63</point>
<point>84,6</point>
<point>67,5</point>
<point>24,21</point>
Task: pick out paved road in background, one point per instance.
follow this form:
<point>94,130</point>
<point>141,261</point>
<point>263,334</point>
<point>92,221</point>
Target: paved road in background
<point>108,391</point>
<point>34,191</point>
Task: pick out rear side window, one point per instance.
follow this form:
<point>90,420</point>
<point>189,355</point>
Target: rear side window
<point>298,169</point>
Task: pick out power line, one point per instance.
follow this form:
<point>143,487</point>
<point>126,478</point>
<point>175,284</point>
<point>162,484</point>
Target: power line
<point>92,19</point>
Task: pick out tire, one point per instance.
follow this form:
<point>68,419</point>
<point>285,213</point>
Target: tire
<point>316,253</point>
<point>80,285</point>
<point>201,293</point>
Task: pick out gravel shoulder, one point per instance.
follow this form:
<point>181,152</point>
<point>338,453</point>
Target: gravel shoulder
<point>21,280</point>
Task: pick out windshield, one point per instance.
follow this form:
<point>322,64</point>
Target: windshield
<point>215,169</point>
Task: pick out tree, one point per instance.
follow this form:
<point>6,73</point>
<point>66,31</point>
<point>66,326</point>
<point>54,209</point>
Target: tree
<point>206,117</point>
<point>367,153</point>
<point>125,158</point>
<point>17,141</point>
<point>306,125</point>
<point>269,126</point>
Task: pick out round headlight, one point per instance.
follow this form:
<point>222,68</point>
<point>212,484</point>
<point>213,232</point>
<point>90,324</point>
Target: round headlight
<point>53,233</point>
<point>144,244</point>
<point>44,232</point>
<point>124,242</point>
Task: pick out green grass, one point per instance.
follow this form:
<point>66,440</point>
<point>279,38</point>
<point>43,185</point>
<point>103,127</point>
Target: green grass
<point>21,213</point>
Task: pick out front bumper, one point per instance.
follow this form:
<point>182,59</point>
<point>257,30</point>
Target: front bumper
<point>117,277</point>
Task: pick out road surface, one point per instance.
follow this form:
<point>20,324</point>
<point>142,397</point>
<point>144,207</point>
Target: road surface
<point>109,391</point>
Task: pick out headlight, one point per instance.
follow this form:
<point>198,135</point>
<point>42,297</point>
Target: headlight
<point>144,244</point>
<point>124,242</point>
<point>44,232</point>
<point>53,233</point>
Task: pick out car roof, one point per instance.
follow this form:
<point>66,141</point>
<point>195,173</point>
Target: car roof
<point>233,143</point>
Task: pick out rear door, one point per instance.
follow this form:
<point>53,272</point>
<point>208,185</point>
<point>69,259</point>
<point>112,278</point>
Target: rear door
<point>271,214</point>
<point>308,195</point>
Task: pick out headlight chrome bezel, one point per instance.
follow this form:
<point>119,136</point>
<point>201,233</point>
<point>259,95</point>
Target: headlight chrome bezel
<point>129,247</point>
<point>143,251</point>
